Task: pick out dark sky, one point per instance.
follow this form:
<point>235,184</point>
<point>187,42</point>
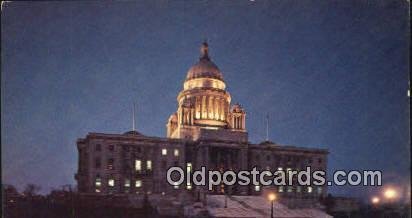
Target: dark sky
<point>331,74</point>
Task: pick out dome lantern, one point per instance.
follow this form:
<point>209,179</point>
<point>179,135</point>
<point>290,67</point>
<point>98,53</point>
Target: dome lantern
<point>204,51</point>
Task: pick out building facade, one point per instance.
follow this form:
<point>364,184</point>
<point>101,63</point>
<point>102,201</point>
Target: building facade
<point>206,130</point>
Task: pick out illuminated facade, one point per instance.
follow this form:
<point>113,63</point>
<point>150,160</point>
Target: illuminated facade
<point>204,104</point>
<point>206,130</point>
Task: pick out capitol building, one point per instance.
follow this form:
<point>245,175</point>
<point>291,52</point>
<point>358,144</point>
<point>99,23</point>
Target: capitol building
<point>205,130</point>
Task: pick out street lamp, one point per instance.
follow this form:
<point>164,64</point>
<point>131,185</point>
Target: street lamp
<point>272,198</point>
<point>375,200</point>
<point>390,193</point>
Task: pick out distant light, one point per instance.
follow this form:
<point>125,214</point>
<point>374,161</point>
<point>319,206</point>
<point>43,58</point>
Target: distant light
<point>375,200</point>
<point>390,193</point>
<point>272,197</point>
<point>111,182</point>
<point>138,183</point>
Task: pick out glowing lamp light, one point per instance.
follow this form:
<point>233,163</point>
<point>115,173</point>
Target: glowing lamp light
<point>272,197</point>
<point>390,193</point>
<point>375,200</point>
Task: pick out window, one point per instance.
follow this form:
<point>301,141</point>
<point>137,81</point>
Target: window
<point>280,168</point>
<point>127,183</point>
<point>138,165</point>
<point>111,182</point>
<point>97,163</point>
<point>176,152</point>
<point>164,151</point>
<point>98,147</point>
<point>138,183</point>
<point>149,165</point>
<point>98,182</point>
<point>110,164</point>
<point>298,189</point>
<point>111,147</point>
<point>309,189</point>
<point>290,189</point>
<point>257,188</point>
<point>280,189</point>
<point>176,186</point>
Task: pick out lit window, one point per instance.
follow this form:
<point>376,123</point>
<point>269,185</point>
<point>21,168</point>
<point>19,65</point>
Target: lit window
<point>176,186</point>
<point>127,183</point>
<point>290,189</point>
<point>98,182</point>
<point>138,165</point>
<point>280,188</point>
<point>257,188</point>
<point>176,152</point>
<point>189,187</point>
<point>309,189</point>
<point>298,189</point>
<point>149,165</point>
<point>164,151</point>
<point>111,182</point>
<point>110,164</point>
<point>138,183</point>
<point>97,190</point>
<point>280,168</point>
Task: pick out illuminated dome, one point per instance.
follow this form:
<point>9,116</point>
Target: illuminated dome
<point>205,73</point>
<point>204,103</point>
<point>205,68</point>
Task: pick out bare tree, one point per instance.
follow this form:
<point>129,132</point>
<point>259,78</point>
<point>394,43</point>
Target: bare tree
<point>9,190</point>
<point>31,190</point>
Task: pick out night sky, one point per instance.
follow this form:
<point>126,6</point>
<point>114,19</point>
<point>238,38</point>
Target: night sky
<point>331,74</point>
